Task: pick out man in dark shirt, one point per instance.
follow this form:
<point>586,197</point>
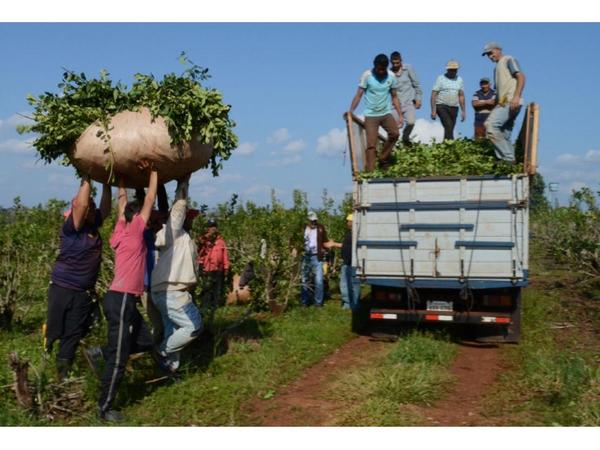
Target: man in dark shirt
<point>74,275</point>
<point>349,285</point>
<point>483,102</point>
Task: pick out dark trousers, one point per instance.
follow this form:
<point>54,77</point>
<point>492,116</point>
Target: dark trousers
<point>213,294</point>
<point>127,334</point>
<point>372,124</point>
<point>69,319</point>
<point>447,116</point>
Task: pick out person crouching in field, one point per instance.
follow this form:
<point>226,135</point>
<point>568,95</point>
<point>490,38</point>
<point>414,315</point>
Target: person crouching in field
<point>70,295</point>
<point>173,278</point>
<point>127,332</point>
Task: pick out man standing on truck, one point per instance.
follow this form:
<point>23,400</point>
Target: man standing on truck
<point>409,94</point>
<point>379,88</point>
<point>483,102</point>
<point>509,81</point>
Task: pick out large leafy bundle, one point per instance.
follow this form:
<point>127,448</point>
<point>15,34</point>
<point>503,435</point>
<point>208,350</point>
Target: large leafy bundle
<point>448,158</point>
<point>187,107</point>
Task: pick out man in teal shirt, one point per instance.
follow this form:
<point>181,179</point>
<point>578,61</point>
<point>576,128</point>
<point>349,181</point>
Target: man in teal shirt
<point>379,85</point>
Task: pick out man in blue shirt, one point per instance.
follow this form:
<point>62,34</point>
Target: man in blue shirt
<point>378,85</point>
<point>483,102</point>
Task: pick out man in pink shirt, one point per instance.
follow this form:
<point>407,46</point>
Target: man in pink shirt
<point>127,332</point>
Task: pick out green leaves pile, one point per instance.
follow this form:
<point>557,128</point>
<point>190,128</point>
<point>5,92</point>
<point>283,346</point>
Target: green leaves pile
<point>187,107</point>
<point>448,158</point>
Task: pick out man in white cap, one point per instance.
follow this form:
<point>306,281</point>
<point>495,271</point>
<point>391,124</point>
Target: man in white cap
<point>315,243</point>
<point>446,96</point>
<point>509,81</point>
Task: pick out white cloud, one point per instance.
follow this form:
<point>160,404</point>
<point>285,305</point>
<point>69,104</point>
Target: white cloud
<point>294,147</point>
<point>592,156</point>
<point>425,131</point>
<point>278,136</point>
<point>15,146</point>
<point>246,148</point>
<point>333,143</point>
<point>573,171</point>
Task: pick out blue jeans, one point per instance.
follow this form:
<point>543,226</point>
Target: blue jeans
<point>181,320</point>
<point>498,127</point>
<point>310,263</point>
<point>349,287</point>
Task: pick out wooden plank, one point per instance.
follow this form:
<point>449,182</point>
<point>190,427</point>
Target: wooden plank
<point>534,138</point>
<point>351,144</point>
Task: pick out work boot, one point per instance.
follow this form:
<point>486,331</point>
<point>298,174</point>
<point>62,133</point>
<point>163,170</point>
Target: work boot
<point>93,356</point>
<point>111,416</point>
<point>62,369</point>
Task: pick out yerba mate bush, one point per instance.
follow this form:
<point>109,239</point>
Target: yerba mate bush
<point>447,158</point>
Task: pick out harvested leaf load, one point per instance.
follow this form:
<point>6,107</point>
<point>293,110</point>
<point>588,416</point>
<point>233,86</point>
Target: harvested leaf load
<point>103,128</point>
<point>448,158</point>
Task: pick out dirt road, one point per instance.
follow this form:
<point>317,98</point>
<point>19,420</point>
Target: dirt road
<point>303,403</point>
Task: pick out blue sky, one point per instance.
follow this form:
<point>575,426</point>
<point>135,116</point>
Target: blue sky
<point>288,85</point>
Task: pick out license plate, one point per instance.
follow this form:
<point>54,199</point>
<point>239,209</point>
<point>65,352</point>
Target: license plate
<point>438,305</point>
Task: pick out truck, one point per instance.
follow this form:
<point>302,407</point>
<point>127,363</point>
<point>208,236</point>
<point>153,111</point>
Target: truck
<point>445,250</point>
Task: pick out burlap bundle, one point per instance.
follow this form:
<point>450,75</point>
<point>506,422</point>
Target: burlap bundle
<point>237,295</point>
<point>135,136</point>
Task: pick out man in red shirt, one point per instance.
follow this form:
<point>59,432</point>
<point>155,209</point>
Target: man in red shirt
<point>213,262</point>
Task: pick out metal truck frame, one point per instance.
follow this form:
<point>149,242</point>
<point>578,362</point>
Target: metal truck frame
<point>443,249</point>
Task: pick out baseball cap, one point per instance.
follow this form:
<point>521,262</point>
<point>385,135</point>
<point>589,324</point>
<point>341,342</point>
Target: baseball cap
<point>489,47</point>
<point>452,64</point>
<point>484,80</point>
<point>312,216</point>
<point>211,223</point>
<point>349,217</point>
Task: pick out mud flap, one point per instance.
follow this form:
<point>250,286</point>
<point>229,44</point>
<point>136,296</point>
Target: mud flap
<point>361,321</point>
<point>510,334</point>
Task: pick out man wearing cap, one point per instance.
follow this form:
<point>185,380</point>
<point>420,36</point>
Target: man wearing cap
<point>483,102</point>
<point>213,263</point>
<point>315,243</point>
<point>378,85</point>
<point>509,82</point>
<point>174,276</point>
<point>409,93</point>
<point>446,96</point>
<point>74,275</point>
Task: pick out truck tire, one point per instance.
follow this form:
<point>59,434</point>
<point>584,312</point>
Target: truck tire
<point>361,321</point>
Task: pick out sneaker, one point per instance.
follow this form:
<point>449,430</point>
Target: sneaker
<point>93,356</point>
<point>111,416</point>
<point>162,362</point>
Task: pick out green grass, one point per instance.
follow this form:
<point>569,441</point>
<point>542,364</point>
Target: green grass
<point>554,377</point>
<point>414,371</point>
<point>258,357</point>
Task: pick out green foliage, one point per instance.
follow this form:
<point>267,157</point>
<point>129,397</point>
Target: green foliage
<point>271,238</point>
<point>447,158</point>
<point>571,235</point>
<point>190,110</point>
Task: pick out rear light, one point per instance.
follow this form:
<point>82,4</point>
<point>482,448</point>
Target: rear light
<point>441,317</point>
<point>491,319</point>
<point>497,300</point>
<point>382,296</point>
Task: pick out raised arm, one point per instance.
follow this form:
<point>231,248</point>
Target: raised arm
<point>152,188</point>
<point>179,209</point>
<point>121,200</point>
<point>105,201</point>
<point>82,202</point>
